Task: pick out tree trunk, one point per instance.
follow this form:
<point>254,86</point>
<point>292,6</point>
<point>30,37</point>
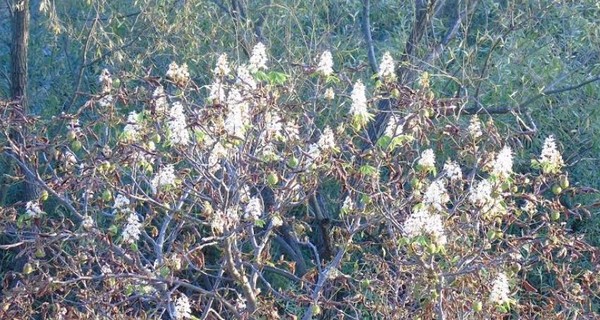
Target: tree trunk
<point>18,77</point>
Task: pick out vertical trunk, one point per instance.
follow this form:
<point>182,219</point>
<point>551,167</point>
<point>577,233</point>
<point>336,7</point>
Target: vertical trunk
<point>18,76</point>
<point>19,46</point>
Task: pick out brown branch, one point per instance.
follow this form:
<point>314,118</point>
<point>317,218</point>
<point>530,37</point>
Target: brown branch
<point>366,26</point>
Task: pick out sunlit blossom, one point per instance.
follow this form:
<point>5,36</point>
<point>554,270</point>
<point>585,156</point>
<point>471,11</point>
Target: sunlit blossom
<point>258,59</point>
<point>436,195</point>
<point>327,139</point>
<point>359,109</point>
<point>427,159</point>
<point>182,308</point>
<point>502,167</point>
<point>179,74</point>
<point>423,222</point>
<point>216,92</point>
<point>325,66</point>
<point>475,127</point>
<point>222,67</point>
<point>160,100</point>
<point>32,209</point>
<point>500,290</point>
<point>133,228</point>
<point>329,94</point>
<point>132,129</point>
<point>452,170</point>
<point>165,177</point>
<point>386,68</point>
<point>550,160</point>
<point>245,79</point>
<point>253,209</point>
<point>179,134</point>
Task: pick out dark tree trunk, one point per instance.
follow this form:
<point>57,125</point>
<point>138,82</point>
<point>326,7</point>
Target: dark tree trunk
<point>18,77</point>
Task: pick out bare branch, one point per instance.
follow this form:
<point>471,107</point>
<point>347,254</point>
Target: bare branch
<point>366,26</point>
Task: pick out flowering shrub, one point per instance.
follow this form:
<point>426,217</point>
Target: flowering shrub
<point>234,200</point>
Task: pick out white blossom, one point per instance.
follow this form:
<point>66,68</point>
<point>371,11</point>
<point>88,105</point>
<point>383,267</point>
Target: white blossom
<point>386,68</point>
<point>475,127</point>
<point>253,209</point>
<point>216,92</point>
<point>422,222</point>
<point>427,159</point>
<point>500,290</point>
<point>165,177</point>
<point>179,134</point>
<point>502,167</point>
<point>359,109</point>
<point>121,202</point>
<point>217,153</point>
<point>133,228</point>
<point>329,94</point>
<point>244,78</point>
<point>273,126</point>
<point>33,209</point>
<point>436,195</point>
<point>182,308</point>
<point>179,74</point>
<point>106,100</point>
<point>348,205</point>
<point>550,159</point>
<point>105,80</point>
<point>393,128</point>
<point>160,100</point>
<point>238,116</point>
<point>452,170</point>
<point>325,66</point>
<point>88,222</point>
<point>132,129</point>
<point>327,139</point>
<point>222,67</point>
<point>481,193</point>
<point>258,59</point>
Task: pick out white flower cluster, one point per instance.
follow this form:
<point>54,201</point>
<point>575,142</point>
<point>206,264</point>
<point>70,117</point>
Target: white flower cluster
<point>427,159</point>
<point>500,290</point>
<point>121,202</point>
<point>325,66</point>
<point>216,92</point>
<point>327,139</point>
<point>165,177</point>
<point>475,127</point>
<point>550,159</point>
<point>386,68</point>
<point>179,134</point>
<point>238,116</point>
<point>393,128</point>
<point>436,195</point>
<point>482,196</point>
<point>273,126</point>
<point>258,59</point>
<point>359,109</point>
<point>253,209</point>
<point>88,222</point>
<point>452,170</point>
<point>329,94</point>
<point>245,79</point>
<point>160,100</point>
<point>183,309</point>
<point>32,209</point>
<point>132,129</point>
<point>348,205</point>
<point>105,80</point>
<point>222,68</point>
<point>502,167</point>
<point>424,222</point>
<point>179,74</point>
<point>133,228</point>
